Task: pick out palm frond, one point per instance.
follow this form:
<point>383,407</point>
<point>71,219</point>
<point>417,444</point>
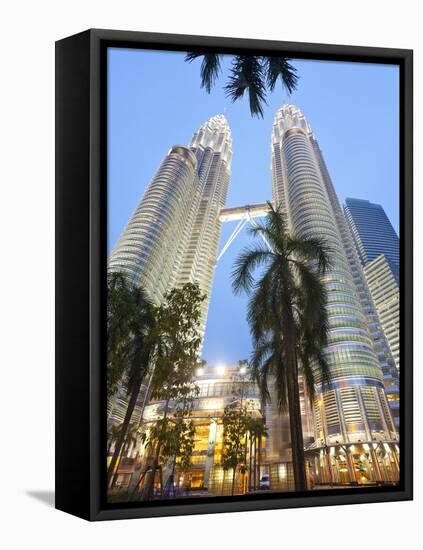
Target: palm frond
<point>210,68</point>
<point>247,75</point>
<point>245,265</point>
<point>324,369</point>
<point>312,293</point>
<point>280,67</point>
<point>308,374</point>
<point>264,305</point>
<point>274,229</point>
<point>311,250</point>
<point>259,369</point>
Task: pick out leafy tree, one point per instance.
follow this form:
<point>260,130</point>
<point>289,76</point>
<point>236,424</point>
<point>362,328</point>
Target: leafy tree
<point>140,344</point>
<point>120,310</point>
<point>115,431</point>
<point>255,75</point>
<point>235,421</point>
<point>288,318</point>
<point>173,435</point>
<point>176,360</point>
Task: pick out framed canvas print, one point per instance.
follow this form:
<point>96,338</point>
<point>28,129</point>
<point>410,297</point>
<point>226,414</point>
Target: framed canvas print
<point>234,274</point>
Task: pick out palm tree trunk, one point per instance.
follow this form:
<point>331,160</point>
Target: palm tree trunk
<point>148,492</point>
<point>255,462</point>
<point>233,480</point>
<point>250,473</point>
<point>111,477</point>
<point>296,429</point>
<point>294,406</point>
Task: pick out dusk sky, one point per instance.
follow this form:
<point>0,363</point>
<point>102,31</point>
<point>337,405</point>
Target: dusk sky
<point>155,101</point>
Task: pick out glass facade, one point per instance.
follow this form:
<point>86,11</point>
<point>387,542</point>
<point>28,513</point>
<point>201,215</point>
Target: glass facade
<point>350,429</point>
<point>353,408</point>
<point>173,235</point>
<point>219,387</point>
<point>377,246</point>
<point>373,232</point>
<point>384,288</point>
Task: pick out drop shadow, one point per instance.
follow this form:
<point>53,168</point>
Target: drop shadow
<point>46,497</point>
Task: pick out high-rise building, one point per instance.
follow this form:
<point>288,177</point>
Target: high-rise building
<point>377,245</point>
<point>173,235</point>
<point>355,436</point>
<point>151,246</point>
<point>212,147</point>
<point>372,231</point>
<point>219,386</point>
<point>380,342</point>
<point>383,284</point>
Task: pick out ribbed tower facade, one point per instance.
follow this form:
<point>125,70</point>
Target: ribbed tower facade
<point>212,147</point>
<point>368,303</point>
<point>153,243</point>
<point>353,408</point>
<point>173,235</point>
<point>384,286</point>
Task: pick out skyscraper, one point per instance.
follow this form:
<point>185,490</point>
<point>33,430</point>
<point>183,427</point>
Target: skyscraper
<point>373,232</point>
<point>173,235</point>
<point>370,309</point>
<point>152,245</point>
<point>377,245</point>
<point>351,412</point>
<point>383,284</point>
<point>212,147</point>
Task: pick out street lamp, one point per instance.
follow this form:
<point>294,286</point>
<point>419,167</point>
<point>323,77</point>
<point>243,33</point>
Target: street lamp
<point>220,369</point>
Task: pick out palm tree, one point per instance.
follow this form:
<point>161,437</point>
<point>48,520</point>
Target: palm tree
<point>256,431</point>
<point>287,317</point>
<point>254,74</point>
<point>142,325</point>
<point>112,435</point>
<point>119,311</point>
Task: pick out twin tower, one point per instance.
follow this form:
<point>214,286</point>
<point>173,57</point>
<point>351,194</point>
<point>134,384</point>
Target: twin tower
<point>173,238</point>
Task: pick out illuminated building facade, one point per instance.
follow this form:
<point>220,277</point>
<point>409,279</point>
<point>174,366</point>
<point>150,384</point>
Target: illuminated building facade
<point>384,287</point>
<point>212,147</point>
<point>219,387</point>
<point>355,439</point>
<point>173,235</point>
<point>377,246</point>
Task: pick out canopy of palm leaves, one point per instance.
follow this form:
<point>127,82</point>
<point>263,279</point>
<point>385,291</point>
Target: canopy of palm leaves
<point>289,277</point>
<point>252,74</point>
<point>132,340</point>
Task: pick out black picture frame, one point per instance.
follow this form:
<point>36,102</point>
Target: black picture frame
<point>81,217</point>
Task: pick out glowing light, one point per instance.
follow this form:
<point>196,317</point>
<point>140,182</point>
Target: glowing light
<point>282,471</point>
<point>199,371</point>
<point>243,369</point>
<point>220,369</point>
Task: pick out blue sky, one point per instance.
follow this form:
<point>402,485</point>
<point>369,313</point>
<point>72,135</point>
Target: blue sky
<point>155,101</point>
